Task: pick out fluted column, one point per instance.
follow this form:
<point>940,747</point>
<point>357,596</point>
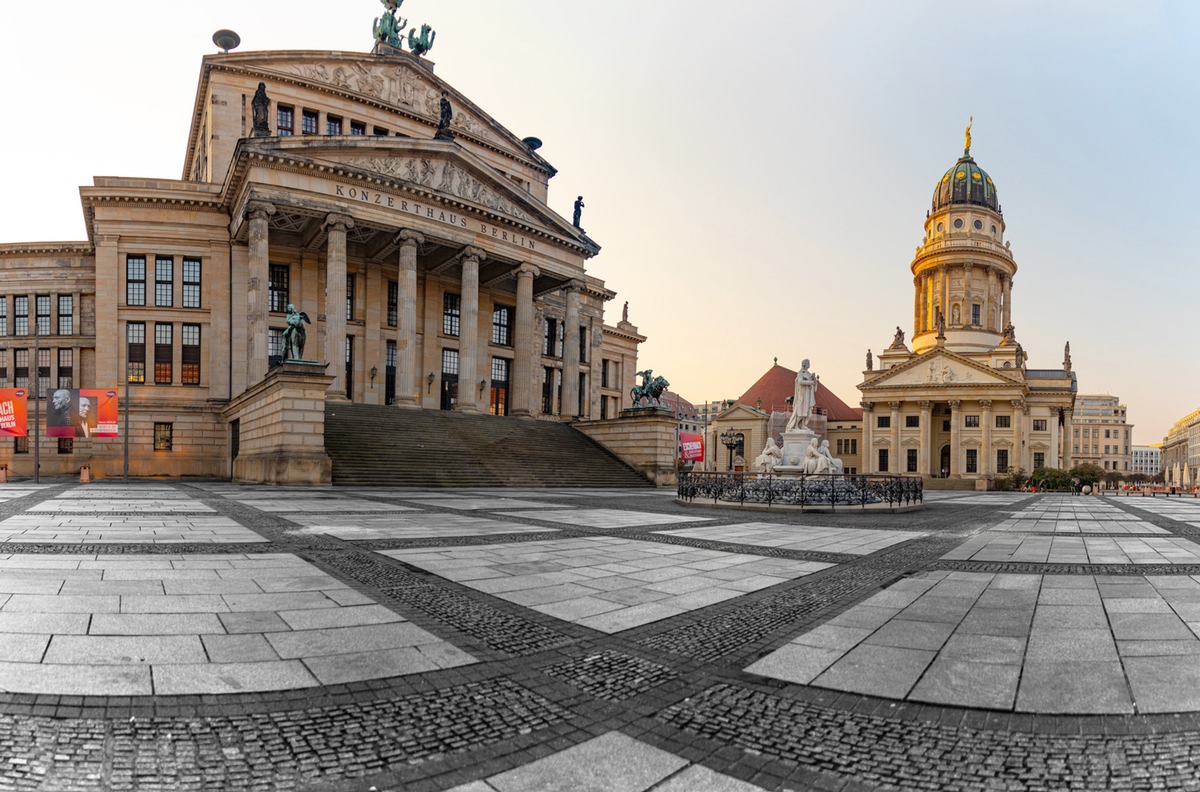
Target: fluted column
<point>926,438</point>
<point>868,453</point>
<point>1007,283</point>
<point>986,464</point>
<point>336,226</point>
<point>1068,451</point>
<point>917,305</point>
<point>955,437</point>
<point>523,342</point>
<point>968,276</point>
<point>257,284</point>
<point>989,321</point>
<point>468,342</point>
<point>570,405</point>
<point>942,269</point>
<point>930,302</point>
<point>407,394</point>
<point>894,454</point>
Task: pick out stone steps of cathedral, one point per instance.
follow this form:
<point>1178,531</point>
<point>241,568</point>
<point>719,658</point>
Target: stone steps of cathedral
<point>373,445</point>
<point>948,484</point>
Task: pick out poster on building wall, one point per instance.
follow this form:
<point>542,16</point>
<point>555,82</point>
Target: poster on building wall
<point>84,412</point>
<point>13,412</point>
<point>691,447</point>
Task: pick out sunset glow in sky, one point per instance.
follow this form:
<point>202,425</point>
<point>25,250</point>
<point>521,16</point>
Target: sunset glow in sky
<point>757,173</point>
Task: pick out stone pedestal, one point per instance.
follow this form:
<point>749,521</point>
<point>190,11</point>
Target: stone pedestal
<point>795,444</point>
<point>281,438</point>
<point>643,438</point>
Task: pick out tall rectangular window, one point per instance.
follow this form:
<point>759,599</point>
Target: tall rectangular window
<point>20,445</point>
<point>972,460</point>
<point>3,316</point>
<point>308,122</point>
<point>281,275</point>
<point>550,345</point>
<point>502,316</point>
<point>285,120</point>
<point>499,399</point>
<point>164,350</point>
<point>349,297</point>
<point>66,315</point>
<point>135,280</point>
<point>274,347</point>
<point>451,313</point>
<point>604,366</point>
<point>393,302</point>
<point>43,372</point>
<point>974,313</point>
<point>135,352</point>
<point>583,344</point>
<point>42,306</point>
<point>21,315</point>
<point>912,460</point>
<point>164,438</point>
<point>21,368</point>
<point>164,281</point>
<point>66,368</point>
<point>1001,460</point>
<point>333,125</point>
<point>350,367</point>
<point>1039,459</point>
<point>883,460</point>
<point>191,283</point>
<point>548,390</point>
<point>189,364</point>
<point>3,366</point>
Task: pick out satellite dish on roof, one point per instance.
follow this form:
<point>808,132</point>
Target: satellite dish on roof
<point>226,40</point>
<point>532,143</point>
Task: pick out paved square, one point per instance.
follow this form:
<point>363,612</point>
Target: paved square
<point>606,583</point>
<point>413,525</point>
<point>168,625</point>
<point>607,518</point>
<point>850,541</point>
<point>156,529</point>
<point>989,546</point>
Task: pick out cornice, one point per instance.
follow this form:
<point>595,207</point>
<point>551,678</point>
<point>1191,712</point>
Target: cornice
<point>48,248</point>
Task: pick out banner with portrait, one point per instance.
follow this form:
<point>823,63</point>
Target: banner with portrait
<point>14,412</point>
<point>82,412</point>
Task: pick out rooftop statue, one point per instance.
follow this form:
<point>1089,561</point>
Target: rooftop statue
<point>260,107</point>
<point>388,28</point>
<point>967,138</point>
<point>445,116</point>
<point>423,43</point>
<point>295,334</point>
<point>578,212</point>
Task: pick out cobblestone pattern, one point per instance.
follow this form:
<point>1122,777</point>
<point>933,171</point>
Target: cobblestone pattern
<point>266,751</point>
<point>740,627</point>
<point>1024,568</point>
<point>21,548</point>
<point>928,756</point>
<point>611,675</point>
<point>498,630</point>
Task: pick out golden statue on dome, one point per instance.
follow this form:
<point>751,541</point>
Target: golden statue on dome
<point>967,138</point>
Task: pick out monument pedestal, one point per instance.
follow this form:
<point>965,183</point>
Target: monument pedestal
<point>795,444</point>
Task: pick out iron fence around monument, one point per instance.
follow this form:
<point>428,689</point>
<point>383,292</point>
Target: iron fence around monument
<point>829,490</point>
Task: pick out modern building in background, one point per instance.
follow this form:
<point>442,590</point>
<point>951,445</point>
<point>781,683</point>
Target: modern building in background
<point>962,402</point>
<point>1181,451</point>
<point>1146,460</point>
<point>1102,433</point>
<point>413,229</point>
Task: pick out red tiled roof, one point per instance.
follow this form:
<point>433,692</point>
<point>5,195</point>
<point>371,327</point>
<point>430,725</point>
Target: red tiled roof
<point>679,405</point>
<point>772,390</point>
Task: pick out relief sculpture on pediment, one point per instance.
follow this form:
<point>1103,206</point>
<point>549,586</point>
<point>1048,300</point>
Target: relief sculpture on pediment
<point>449,179</point>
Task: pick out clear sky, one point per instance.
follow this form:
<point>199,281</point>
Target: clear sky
<point>757,173</point>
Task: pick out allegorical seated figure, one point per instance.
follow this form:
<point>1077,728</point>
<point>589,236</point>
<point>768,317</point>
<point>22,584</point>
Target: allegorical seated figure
<point>828,462</point>
<point>771,456</point>
<point>812,458</point>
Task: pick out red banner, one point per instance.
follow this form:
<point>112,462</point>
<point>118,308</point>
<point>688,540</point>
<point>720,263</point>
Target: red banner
<point>88,412</point>
<point>691,447</point>
<point>13,413</point>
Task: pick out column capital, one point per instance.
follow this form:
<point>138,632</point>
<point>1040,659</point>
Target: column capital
<point>968,266</point>
<point>337,222</point>
<point>925,405</point>
<point>942,268</point>
<point>260,210</point>
<point>955,404</point>
<point>985,404</point>
<point>407,238</point>
<point>895,405</point>
<point>917,280</point>
<point>866,406</point>
<point>1020,405</point>
<point>525,268</point>
<point>474,253</point>
<point>573,286</point>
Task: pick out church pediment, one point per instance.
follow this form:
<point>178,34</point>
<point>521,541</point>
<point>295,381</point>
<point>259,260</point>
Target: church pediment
<point>940,368</point>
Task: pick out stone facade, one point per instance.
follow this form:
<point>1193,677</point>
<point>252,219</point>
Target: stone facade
<point>434,271</point>
<point>962,401</point>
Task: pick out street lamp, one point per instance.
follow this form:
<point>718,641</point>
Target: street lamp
<point>731,440</point>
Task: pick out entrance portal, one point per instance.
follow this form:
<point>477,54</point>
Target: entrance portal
<point>945,469</point>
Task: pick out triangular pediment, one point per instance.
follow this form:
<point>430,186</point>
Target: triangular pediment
<point>939,367</point>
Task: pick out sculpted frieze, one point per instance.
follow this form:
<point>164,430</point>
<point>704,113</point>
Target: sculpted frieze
<point>401,86</point>
<point>442,176</point>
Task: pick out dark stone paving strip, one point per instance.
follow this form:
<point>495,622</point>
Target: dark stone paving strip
<point>287,750</point>
<point>914,755</point>
<point>612,675</point>
<point>15,506</point>
<point>1027,568</point>
<point>181,548</point>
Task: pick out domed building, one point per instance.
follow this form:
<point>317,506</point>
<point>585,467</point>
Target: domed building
<point>961,402</point>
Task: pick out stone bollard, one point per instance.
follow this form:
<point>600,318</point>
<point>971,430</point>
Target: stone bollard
<point>85,474</point>
<point>3,474</point>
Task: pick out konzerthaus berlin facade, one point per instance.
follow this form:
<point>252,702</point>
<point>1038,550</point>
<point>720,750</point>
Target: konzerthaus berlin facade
<point>433,269</point>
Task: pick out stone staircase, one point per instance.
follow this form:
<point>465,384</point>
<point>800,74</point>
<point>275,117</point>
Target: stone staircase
<point>372,445</point>
<point>949,484</point>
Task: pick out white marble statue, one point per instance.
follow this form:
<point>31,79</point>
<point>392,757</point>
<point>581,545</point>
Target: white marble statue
<point>803,399</point>
<point>771,456</point>
<point>828,463</point>
<point>812,458</point>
